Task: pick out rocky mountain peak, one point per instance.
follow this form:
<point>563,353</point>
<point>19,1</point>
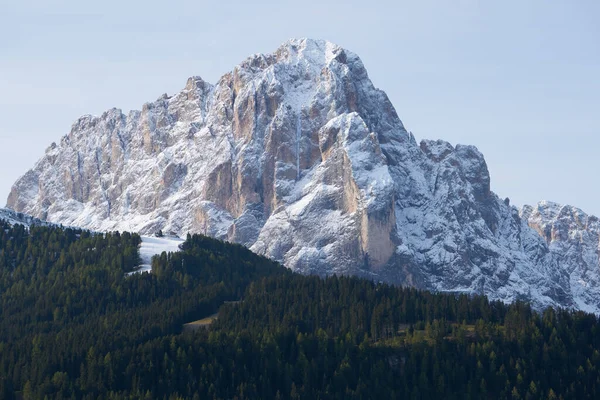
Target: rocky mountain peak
<point>298,156</point>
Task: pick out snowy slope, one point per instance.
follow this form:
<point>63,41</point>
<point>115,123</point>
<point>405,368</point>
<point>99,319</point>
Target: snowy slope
<point>152,246</point>
<point>298,156</point>
<point>14,218</point>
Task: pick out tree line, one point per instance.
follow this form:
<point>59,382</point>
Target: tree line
<point>75,326</point>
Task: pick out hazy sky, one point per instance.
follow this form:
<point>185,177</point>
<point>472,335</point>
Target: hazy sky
<point>518,79</point>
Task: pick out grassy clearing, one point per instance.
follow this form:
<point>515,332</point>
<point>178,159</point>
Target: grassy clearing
<point>204,322</point>
<point>404,337</point>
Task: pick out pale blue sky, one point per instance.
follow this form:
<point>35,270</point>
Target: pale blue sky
<point>518,79</point>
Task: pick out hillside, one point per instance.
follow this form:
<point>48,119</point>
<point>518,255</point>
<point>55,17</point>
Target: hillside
<point>73,325</point>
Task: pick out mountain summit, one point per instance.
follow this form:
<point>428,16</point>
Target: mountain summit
<point>298,156</point>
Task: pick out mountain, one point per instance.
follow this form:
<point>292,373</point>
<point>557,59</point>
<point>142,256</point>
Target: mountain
<point>298,156</point>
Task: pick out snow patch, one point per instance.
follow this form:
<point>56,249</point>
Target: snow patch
<point>152,246</point>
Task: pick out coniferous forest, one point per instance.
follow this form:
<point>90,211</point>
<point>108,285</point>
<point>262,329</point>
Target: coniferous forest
<point>74,325</point>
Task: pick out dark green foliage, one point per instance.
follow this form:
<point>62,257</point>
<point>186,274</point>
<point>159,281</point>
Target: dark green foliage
<point>74,326</point>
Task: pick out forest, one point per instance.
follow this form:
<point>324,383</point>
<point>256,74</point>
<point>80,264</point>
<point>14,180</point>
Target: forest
<point>74,325</point>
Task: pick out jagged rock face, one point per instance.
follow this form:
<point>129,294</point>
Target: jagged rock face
<point>297,155</point>
<point>573,238</point>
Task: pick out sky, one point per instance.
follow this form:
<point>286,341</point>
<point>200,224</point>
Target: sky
<point>518,79</point>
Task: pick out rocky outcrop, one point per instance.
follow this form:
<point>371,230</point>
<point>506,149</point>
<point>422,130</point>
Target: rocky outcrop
<point>297,155</point>
<point>573,239</point>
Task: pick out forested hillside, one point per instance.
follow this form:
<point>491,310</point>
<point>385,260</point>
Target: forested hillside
<point>73,325</point>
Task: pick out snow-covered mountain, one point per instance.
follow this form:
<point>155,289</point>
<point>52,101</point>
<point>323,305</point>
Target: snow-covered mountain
<point>298,156</point>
